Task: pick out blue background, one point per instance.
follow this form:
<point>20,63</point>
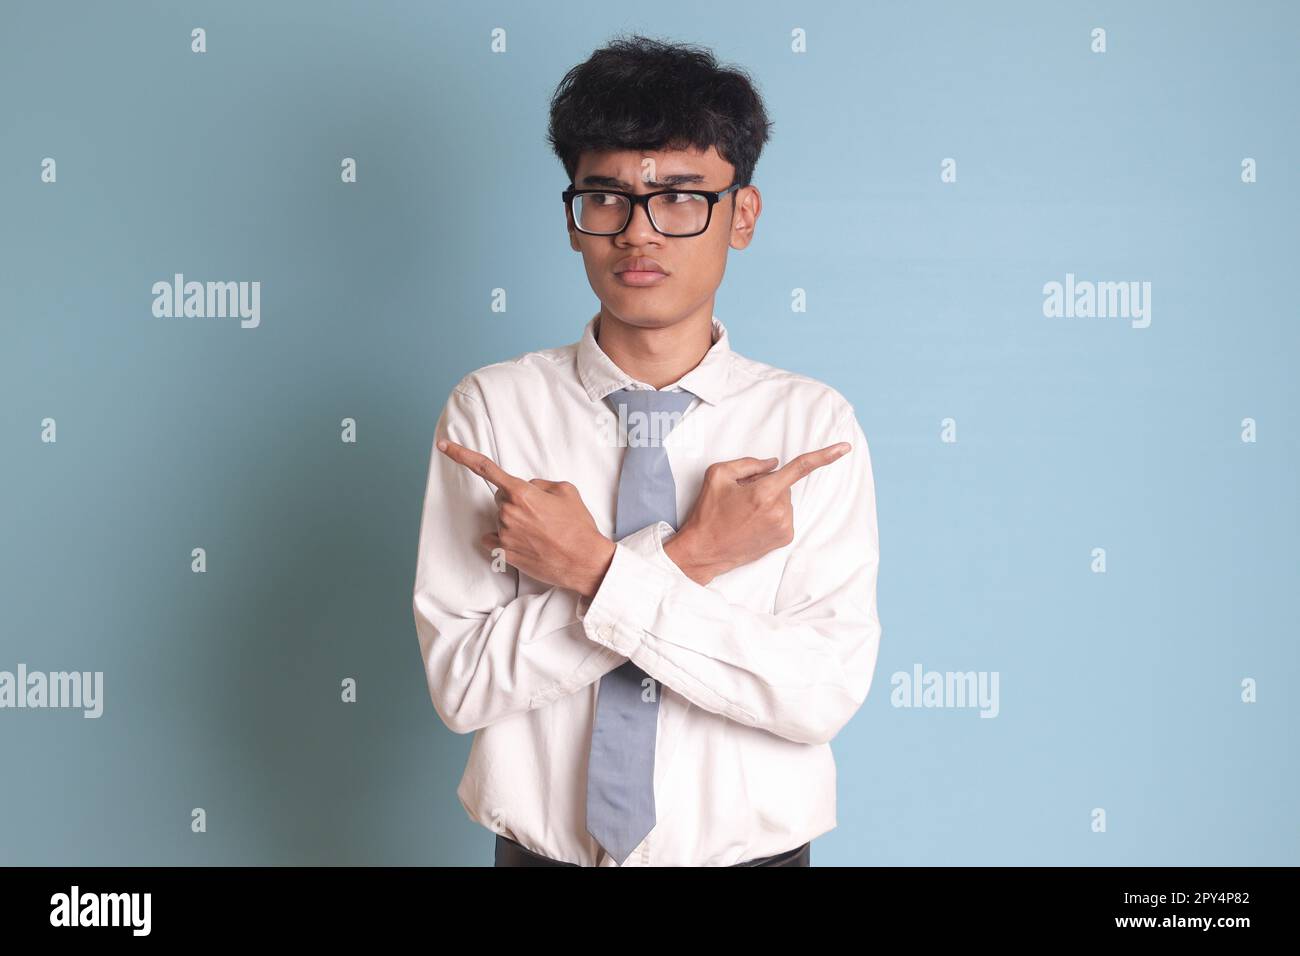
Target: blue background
<point>1118,690</point>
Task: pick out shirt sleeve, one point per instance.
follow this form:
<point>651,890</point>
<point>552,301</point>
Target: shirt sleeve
<point>489,652</point>
<point>800,672</point>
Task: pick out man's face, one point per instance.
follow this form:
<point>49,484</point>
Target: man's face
<point>692,266</point>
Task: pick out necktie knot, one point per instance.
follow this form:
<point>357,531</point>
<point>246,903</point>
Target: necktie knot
<point>651,399</point>
<point>647,414</point>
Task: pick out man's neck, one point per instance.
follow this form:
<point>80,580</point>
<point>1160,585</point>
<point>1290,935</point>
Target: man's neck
<point>657,357</point>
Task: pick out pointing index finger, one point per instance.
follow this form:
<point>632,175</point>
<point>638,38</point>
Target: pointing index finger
<point>480,464</point>
<point>803,465</point>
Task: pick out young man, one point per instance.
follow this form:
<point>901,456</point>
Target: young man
<point>647,691</point>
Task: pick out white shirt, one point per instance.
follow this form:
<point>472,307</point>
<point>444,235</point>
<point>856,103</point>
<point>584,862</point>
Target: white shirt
<point>757,671</point>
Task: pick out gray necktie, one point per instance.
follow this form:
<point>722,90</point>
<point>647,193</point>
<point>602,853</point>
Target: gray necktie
<point>621,767</point>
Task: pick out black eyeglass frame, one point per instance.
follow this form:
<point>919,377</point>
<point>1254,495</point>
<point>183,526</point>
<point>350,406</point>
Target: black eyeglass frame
<point>644,199</point>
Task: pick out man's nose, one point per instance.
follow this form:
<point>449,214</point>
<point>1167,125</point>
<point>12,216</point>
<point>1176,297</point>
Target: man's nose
<point>639,225</point>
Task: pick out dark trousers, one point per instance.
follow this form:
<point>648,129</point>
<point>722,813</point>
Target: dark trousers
<point>510,853</point>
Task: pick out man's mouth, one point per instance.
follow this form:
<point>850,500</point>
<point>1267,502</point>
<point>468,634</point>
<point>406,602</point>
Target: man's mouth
<point>638,264</point>
<point>640,271</point>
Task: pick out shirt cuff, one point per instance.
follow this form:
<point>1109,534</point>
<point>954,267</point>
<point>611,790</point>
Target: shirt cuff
<point>629,595</point>
<point>654,551</point>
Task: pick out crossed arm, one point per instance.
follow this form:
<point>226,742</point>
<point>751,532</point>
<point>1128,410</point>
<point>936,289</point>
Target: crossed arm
<point>490,653</point>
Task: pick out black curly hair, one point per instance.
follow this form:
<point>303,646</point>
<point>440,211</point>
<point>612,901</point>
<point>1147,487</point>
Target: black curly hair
<point>640,93</point>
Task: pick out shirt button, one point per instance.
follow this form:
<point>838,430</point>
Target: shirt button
<point>605,631</point>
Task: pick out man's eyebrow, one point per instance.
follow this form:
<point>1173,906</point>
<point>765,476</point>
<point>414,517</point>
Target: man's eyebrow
<point>678,179</point>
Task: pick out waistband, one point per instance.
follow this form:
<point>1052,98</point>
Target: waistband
<point>511,853</point>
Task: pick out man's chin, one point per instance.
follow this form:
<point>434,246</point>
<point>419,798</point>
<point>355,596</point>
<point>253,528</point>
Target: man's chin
<point>638,316</point>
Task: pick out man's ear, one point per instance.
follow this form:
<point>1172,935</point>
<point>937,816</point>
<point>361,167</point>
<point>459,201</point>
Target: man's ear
<point>573,233</point>
<point>745,217</point>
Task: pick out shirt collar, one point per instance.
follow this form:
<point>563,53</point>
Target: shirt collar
<point>600,376</point>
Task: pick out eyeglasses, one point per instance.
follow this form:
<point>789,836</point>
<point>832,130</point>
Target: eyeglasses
<point>672,212</point>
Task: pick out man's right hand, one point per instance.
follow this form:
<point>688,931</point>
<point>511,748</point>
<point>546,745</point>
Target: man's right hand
<point>742,513</point>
